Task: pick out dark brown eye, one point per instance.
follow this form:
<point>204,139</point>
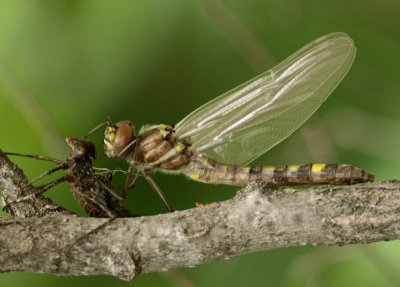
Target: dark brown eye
<point>124,134</point>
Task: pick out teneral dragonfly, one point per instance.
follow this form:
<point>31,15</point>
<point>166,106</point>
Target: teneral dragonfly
<point>214,143</point>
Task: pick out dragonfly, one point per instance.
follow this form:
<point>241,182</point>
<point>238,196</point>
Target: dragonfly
<point>214,143</point>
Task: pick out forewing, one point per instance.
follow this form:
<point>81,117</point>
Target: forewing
<point>245,122</point>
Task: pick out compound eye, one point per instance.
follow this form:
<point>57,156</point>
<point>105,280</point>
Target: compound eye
<point>124,134</point>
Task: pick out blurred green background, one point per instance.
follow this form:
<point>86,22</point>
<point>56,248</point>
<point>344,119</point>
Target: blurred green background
<point>65,66</point>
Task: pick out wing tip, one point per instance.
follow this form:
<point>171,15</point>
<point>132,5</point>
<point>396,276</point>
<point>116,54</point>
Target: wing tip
<point>336,36</point>
<point>338,39</point>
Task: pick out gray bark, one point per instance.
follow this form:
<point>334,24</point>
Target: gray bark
<point>257,218</point>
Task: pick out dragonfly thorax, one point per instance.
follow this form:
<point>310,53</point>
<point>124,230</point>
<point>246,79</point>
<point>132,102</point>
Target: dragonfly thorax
<point>158,147</point>
<point>155,146</point>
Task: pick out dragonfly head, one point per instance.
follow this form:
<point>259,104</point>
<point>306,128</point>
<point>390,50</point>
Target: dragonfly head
<point>117,138</point>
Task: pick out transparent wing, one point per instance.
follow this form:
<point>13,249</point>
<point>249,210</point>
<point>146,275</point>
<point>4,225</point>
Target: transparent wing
<point>245,122</point>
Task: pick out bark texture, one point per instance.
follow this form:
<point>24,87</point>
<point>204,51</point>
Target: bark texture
<point>257,218</point>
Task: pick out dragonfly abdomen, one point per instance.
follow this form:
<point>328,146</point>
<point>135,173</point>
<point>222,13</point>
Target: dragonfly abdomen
<point>210,171</point>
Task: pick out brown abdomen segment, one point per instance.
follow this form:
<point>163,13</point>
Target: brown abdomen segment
<point>210,171</point>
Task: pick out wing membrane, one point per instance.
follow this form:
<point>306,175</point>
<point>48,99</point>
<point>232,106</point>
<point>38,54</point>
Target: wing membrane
<point>245,122</point>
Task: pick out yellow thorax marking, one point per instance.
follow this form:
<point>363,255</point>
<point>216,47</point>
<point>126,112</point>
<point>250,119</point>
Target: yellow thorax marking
<point>206,165</point>
<point>317,167</point>
<point>163,131</point>
<point>194,176</point>
<point>108,144</point>
<point>112,136</point>
<point>154,163</point>
<point>178,147</point>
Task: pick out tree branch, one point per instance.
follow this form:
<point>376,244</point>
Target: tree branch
<point>257,218</point>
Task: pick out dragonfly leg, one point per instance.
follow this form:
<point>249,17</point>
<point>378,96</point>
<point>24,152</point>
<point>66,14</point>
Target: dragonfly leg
<point>157,189</point>
<point>38,157</point>
<point>131,167</point>
<point>127,178</point>
<point>40,189</point>
<point>45,187</point>
<point>61,164</point>
<point>133,182</point>
<point>127,147</point>
<point>111,191</point>
<point>96,128</point>
<point>127,185</point>
<point>46,174</point>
